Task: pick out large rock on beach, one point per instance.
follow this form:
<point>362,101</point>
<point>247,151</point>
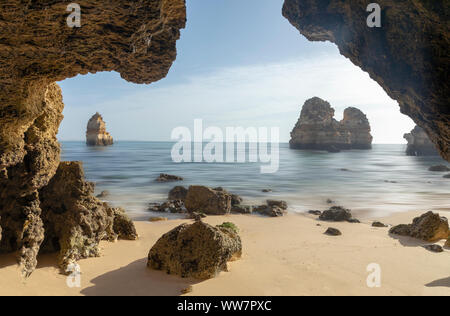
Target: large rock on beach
<point>336,214</point>
<point>198,250</point>
<point>74,221</point>
<point>429,227</point>
<point>208,201</point>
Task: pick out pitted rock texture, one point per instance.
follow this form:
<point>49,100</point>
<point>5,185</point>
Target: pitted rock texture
<point>429,227</point>
<point>407,56</point>
<point>20,210</point>
<point>419,143</point>
<point>198,250</point>
<point>208,201</point>
<point>75,221</point>
<point>317,129</point>
<point>37,48</point>
<point>96,134</point>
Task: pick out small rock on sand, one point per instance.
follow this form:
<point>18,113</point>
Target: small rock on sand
<point>266,190</point>
<point>378,224</point>
<point>313,212</point>
<point>447,176</point>
<point>187,290</point>
<point>333,232</point>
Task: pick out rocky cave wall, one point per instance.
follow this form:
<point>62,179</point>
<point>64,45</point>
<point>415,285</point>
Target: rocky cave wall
<point>37,49</point>
<point>408,55</point>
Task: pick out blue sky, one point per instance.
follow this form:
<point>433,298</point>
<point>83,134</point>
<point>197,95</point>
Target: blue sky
<point>240,63</point>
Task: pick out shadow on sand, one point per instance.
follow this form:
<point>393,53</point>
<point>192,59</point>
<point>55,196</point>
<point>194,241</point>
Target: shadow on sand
<point>440,283</point>
<point>409,241</point>
<point>137,280</point>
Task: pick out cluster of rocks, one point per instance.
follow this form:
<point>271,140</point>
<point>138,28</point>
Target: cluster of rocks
<point>419,144</point>
<point>317,129</point>
<point>96,134</point>
<point>199,201</point>
<point>196,250</point>
<point>335,214</point>
<point>440,168</point>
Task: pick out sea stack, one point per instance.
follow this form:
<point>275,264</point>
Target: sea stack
<point>419,144</point>
<point>317,129</point>
<point>96,134</point>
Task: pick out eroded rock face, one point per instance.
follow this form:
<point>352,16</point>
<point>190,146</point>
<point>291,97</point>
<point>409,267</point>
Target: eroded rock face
<point>20,210</point>
<point>317,128</point>
<point>136,39</point>
<point>419,143</point>
<point>407,56</point>
<point>428,227</point>
<point>198,250</point>
<point>96,134</point>
<point>74,220</point>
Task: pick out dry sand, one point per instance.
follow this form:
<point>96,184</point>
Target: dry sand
<point>282,256</point>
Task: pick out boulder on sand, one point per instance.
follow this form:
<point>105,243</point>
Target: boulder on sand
<point>429,227</point>
<point>333,232</point>
<point>198,250</point>
<point>337,214</point>
<point>271,211</point>
<point>208,201</point>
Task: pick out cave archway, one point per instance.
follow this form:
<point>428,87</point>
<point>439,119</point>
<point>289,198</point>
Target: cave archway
<point>407,56</point>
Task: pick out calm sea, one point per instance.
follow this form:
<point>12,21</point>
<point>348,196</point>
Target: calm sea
<point>306,179</point>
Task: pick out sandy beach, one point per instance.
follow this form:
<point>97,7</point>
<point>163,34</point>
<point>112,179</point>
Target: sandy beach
<point>282,256</point>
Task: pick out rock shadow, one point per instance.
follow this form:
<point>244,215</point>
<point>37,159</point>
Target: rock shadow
<point>440,283</point>
<point>137,280</point>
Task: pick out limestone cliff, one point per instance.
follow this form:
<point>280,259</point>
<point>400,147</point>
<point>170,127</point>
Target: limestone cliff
<point>419,143</point>
<point>408,55</point>
<point>37,48</point>
<point>96,134</point>
<point>318,129</point>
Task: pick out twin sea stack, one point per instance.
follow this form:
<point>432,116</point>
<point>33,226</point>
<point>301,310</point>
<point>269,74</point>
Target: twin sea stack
<point>317,129</point>
<point>419,144</point>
